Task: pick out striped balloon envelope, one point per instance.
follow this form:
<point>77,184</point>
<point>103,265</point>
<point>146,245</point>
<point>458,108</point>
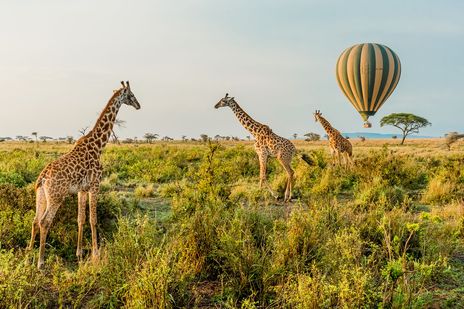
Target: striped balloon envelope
<point>367,74</point>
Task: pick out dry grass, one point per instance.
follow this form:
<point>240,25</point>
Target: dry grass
<point>181,227</point>
<point>419,147</point>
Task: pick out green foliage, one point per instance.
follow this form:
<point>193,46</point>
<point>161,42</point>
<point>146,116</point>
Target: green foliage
<point>386,233</point>
<point>149,287</point>
<point>407,123</point>
<point>144,191</point>
<point>312,137</point>
<point>445,184</point>
<point>16,213</point>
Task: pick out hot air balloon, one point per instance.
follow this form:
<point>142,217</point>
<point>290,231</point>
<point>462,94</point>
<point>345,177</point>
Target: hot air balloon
<point>367,74</point>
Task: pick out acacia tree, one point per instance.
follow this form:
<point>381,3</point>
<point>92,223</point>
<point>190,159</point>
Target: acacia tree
<point>452,138</point>
<point>150,136</point>
<point>407,123</point>
<point>35,135</point>
<point>21,138</point>
<point>204,137</point>
<point>70,139</point>
<point>83,131</point>
<point>312,137</point>
<point>120,124</point>
<point>45,138</point>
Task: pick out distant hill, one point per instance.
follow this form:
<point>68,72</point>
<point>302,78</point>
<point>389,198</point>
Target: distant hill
<point>369,135</point>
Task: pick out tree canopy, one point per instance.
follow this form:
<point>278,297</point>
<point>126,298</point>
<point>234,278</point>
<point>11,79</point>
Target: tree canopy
<point>204,137</point>
<point>407,123</point>
<point>150,136</point>
<point>451,138</point>
<point>312,136</point>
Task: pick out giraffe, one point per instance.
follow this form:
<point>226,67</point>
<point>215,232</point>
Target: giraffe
<point>267,144</point>
<point>337,143</point>
<point>78,171</point>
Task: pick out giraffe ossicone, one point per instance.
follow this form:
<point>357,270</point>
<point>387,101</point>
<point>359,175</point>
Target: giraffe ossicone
<point>79,171</point>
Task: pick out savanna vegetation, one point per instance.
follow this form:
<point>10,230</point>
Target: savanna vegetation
<point>407,123</point>
<point>186,225</point>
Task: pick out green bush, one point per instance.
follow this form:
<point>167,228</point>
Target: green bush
<point>385,233</point>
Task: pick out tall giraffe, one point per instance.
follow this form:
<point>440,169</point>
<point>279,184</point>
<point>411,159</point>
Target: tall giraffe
<point>337,143</point>
<point>267,144</point>
<point>78,171</point>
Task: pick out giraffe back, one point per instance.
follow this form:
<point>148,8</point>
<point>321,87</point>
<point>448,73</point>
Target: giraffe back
<point>74,171</point>
<point>275,145</point>
<point>341,144</point>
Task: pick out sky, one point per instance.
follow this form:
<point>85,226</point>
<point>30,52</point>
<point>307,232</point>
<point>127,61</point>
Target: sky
<point>61,60</point>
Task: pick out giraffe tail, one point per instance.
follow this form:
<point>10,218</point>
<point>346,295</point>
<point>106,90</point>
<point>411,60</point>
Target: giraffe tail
<point>309,160</point>
<point>39,181</point>
<point>38,184</point>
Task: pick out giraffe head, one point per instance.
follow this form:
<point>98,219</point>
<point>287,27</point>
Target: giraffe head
<point>225,101</point>
<point>127,96</point>
<point>317,113</point>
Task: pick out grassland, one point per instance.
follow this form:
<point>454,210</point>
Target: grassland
<point>186,225</point>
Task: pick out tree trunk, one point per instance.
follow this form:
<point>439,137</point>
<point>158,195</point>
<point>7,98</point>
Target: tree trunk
<point>404,137</point>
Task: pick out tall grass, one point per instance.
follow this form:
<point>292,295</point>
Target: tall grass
<point>386,233</point>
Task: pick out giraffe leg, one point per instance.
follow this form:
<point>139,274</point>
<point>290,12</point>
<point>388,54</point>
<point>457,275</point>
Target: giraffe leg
<point>82,202</point>
<point>93,223</point>
<point>333,154</point>
<point>262,169</point>
<point>345,159</point>
<point>285,162</point>
<point>40,206</point>
<point>44,224</point>
<point>339,159</point>
<point>349,160</point>
<point>262,172</point>
<point>34,231</point>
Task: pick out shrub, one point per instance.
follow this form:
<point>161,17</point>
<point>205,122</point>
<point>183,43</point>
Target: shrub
<point>358,237</point>
<point>144,191</point>
<point>440,190</point>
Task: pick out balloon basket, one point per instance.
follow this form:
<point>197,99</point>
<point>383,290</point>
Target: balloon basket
<point>367,125</point>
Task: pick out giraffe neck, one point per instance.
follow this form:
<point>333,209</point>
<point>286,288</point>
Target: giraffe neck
<point>327,126</point>
<point>247,122</point>
<point>102,129</point>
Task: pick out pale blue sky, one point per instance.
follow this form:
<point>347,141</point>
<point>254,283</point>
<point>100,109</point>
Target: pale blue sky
<point>60,61</point>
